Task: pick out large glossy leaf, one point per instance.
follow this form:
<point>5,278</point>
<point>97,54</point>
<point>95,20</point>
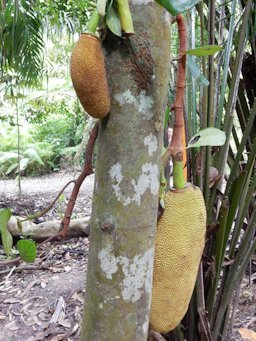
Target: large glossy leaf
<point>113,21</point>
<point>208,137</point>
<point>27,250</point>
<point>5,215</point>
<point>196,73</point>
<point>177,6</point>
<point>203,51</point>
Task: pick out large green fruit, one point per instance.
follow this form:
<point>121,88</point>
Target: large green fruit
<point>179,245</point>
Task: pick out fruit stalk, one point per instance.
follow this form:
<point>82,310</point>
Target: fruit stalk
<point>175,148</point>
<point>93,22</point>
<point>125,17</point>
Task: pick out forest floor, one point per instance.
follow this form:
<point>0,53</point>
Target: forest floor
<point>44,300</point>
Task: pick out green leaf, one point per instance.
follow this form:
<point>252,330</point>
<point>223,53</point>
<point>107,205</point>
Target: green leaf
<point>177,6</point>
<point>113,21</point>
<point>27,250</point>
<point>207,50</point>
<point>5,215</point>
<point>207,137</point>
<point>195,71</point>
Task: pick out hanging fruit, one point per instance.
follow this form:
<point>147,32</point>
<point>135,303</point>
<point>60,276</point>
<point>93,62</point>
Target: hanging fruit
<point>88,72</point>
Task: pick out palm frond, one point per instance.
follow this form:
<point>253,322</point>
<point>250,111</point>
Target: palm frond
<point>22,40</point>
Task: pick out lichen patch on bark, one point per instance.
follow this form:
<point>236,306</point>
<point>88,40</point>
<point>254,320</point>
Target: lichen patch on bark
<point>136,272</point>
<point>143,103</point>
<point>148,179</point>
<point>135,275</point>
<point>125,98</point>
<point>108,262</point>
<point>151,142</point>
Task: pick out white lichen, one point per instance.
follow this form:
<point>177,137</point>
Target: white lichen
<point>108,262</point>
<point>136,280</point>
<point>148,179</point>
<point>143,103</point>
<point>116,172</point>
<point>150,141</point>
<point>135,275</point>
<point>149,278</point>
<point>125,98</point>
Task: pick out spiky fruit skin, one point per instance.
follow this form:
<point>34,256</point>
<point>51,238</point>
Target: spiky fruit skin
<point>88,75</point>
<point>179,245</point>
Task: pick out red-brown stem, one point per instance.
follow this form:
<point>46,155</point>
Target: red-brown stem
<point>87,170</point>
<point>47,209</point>
<point>176,146</point>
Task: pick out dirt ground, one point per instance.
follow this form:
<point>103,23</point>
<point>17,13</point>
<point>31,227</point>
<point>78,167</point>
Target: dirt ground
<point>44,300</point>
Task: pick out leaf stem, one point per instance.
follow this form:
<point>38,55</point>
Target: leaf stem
<point>125,17</point>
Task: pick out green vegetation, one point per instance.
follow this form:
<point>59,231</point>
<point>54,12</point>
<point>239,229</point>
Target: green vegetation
<point>50,129</point>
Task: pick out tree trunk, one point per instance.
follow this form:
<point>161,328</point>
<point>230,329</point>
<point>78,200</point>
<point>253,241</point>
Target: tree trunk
<point>125,201</point>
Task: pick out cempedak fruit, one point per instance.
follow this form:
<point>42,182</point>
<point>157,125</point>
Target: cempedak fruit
<point>179,245</point>
<point>89,76</point>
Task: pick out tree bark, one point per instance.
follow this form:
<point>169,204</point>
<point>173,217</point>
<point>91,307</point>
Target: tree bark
<point>125,201</point>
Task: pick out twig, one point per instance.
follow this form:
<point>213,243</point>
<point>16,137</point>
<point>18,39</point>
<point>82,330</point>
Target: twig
<point>47,209</point>
<point>10,261</point>
<point>87,170</point>
<point>24,267</point>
